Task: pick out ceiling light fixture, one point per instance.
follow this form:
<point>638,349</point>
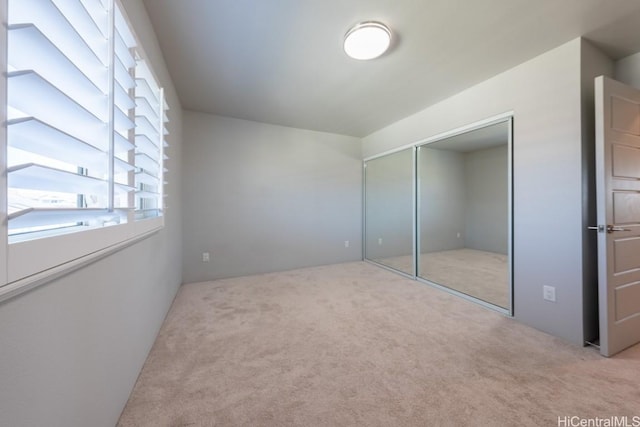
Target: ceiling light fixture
<point>367,40</point>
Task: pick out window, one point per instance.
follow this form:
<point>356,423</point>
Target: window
<point>85,134</point>
<point>150,128</point>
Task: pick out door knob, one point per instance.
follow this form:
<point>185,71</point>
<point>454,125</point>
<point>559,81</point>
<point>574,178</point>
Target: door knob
<point>612,228</point>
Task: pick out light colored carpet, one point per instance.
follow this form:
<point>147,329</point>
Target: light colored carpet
<point>356,345</point>
<point>483,275</point>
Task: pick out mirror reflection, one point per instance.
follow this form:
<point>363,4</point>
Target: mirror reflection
<point>389,211</point>
<point>463,202</point>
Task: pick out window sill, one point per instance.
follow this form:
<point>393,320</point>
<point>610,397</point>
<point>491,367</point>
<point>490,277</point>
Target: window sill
<point>26,283</point>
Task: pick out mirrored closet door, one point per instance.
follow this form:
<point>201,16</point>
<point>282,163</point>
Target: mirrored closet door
<point>464,213</point>
<point>440,211</point>
<point>389,208</point>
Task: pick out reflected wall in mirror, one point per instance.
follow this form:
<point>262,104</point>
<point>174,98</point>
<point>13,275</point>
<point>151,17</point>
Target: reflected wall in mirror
<point>389,207</point>
<point>464,213</point>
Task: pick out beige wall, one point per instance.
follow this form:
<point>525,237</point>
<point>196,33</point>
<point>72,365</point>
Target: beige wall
<point>627,70</point>
<point>486,207</point>
<point>266,198</point>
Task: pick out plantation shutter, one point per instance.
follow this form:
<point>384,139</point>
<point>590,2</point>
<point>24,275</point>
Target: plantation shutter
<point>124,105</point>
<point>69,108</point>
<point>150,144</point>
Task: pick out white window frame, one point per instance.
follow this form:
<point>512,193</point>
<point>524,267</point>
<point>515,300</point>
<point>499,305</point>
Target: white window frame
<point>3,144</point>
<point>27,264</point>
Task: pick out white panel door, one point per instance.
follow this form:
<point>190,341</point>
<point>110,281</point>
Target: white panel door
<point>618,200</point>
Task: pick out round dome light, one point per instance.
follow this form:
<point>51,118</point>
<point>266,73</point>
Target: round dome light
<point>367,40</point>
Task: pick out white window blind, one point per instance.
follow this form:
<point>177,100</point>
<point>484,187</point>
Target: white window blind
<point>123,86</point>
<point>85,121</point>
<point>150,144</point>
<point>58,116</point>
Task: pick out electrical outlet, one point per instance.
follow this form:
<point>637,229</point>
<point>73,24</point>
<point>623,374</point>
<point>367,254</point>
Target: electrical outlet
<point>380,240</point>
<point>206,257</point>
<point>549,293</point>
<point>346,243</point>
<point>458,235</point>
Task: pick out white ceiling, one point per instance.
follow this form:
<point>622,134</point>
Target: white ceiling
<point>281,61</point>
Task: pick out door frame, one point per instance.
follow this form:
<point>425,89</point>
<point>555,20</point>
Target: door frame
<point>607,88</point>
<point>504,117</point>
<point>479,125</point>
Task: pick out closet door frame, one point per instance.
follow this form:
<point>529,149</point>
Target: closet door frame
<point>414,208</point>
<point>500,118</point>
<point>508,118</point>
